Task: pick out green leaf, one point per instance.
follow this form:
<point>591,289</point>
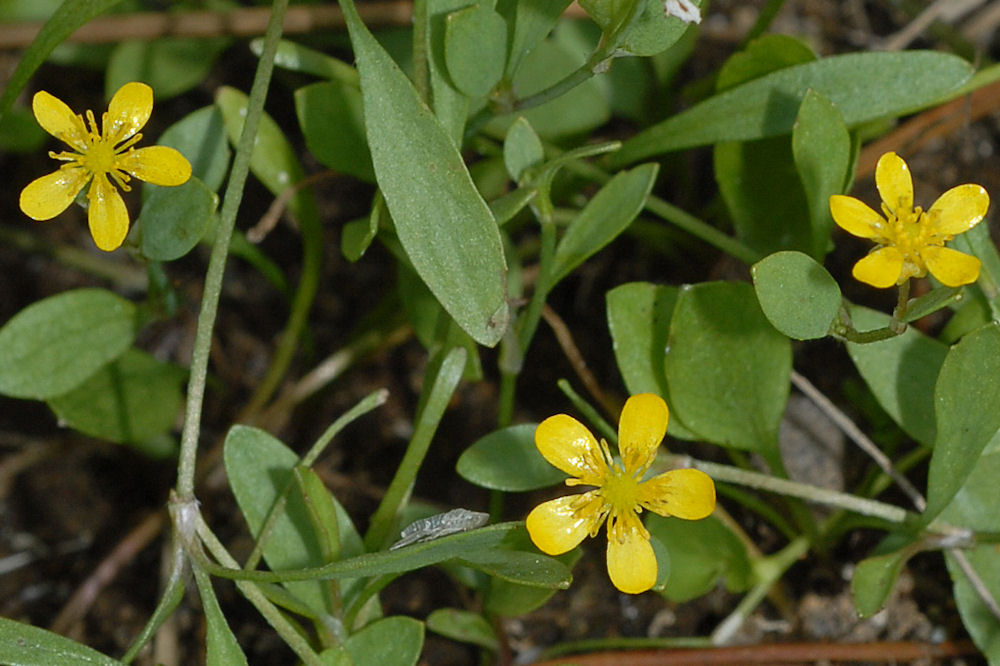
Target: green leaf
<point>639,319</point>
<point>654,31</point>
<point>24,645</point>
<point>391,641</point>
<point>508,460</point>
<point>762,56</point>
<point>475,49</point>
<point>727,368</point>
<point>934,300</point>
<point>442,221</point>
<point>55,344</point>
<point>517,566</point>
<point>174,219</point>
<point>322,510</point>
<point>821,145</point>
<point>532,20</point>
<point>333,124</point>
<point>604,217</point>
<point>798,296</point>
<point>200,137</point>
<point>967,407</point>
<point>171,65</point>
<point>465,626</point>
<point>476,548</point>
<point>978,619</point>
<point>760,185</point>
<point>864,86</point>
<point>875,577</point>
<point>259,468</point>
<point>702,552</point>
<point>974,507</point>
<point>220,644</point>
<point>503,597</point>
<point>901,373</point>
<point>70,16</point>
<point>522,149</point>
<point>303,59</point>
<point>273,160</point>
<point>132,399</point>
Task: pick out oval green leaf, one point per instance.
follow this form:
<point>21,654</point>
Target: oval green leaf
<point>901,372</point>
<point>395,640</point>
<point>333,125</point>
<point>727,367</point>
<point>465,626</point>
<point>798,296</point>
<point>475,49</point>
<point>200,137</point>
<point>522,149</point>
<point>171,65</point>
<point>443,223</point>
<point>821,146</point>
<point>508,460</point>
<point>132,399</point>
<point>54,345</point>
<point>174,219</point>
<point>639,319</point>
<point>967,408</point>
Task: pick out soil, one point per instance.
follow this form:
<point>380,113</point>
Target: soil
<point>68,502</point>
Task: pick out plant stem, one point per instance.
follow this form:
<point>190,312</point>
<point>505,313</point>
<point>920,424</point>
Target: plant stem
<point>864,506</point>
<point>288,631</point>
<point>217,263</point>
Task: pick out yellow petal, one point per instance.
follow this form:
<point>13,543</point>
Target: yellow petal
<point>951,267</point>
<point>46,197</point>
<point>128,111</point>
<point>641,428</point>
<point>895,186</point>
<point>107,216</point>
<point>881,268</point>
<point>685,493</point>
<point>59,120</point>
<point>632,563</point>
<point>554,526</point>
<point>856,218</point>
<point>158,165</point>
<point>959,209</point>
<point>568,445</point>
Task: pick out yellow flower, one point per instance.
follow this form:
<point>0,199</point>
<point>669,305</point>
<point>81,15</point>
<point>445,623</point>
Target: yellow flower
<point>99,155</point>
<point>620,496</point>
<point>910,240</point>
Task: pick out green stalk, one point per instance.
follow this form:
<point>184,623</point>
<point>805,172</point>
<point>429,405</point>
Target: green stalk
<point>220,250</point>
<point>442,386</point>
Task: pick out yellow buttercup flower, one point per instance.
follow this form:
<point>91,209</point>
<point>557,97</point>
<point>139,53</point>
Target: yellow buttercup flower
<point>620,495</point>
<point>99,157</point>
<point>911,240</point>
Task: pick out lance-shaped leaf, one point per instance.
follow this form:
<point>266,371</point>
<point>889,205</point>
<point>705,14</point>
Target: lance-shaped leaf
<point>442,221</point>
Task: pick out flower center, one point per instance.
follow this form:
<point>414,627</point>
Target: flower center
<point>620,491</point>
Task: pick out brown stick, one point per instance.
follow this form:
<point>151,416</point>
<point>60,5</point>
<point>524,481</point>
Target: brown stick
<point>785,653</point>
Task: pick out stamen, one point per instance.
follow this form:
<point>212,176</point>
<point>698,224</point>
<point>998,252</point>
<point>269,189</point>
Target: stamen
<point>95,135</point>
<point>129,143</point>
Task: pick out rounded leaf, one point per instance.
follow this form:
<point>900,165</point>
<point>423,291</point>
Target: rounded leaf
<point>475,49</point>
<point>54,345</point>
<point>798,296</point>
<point>508,460</point>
